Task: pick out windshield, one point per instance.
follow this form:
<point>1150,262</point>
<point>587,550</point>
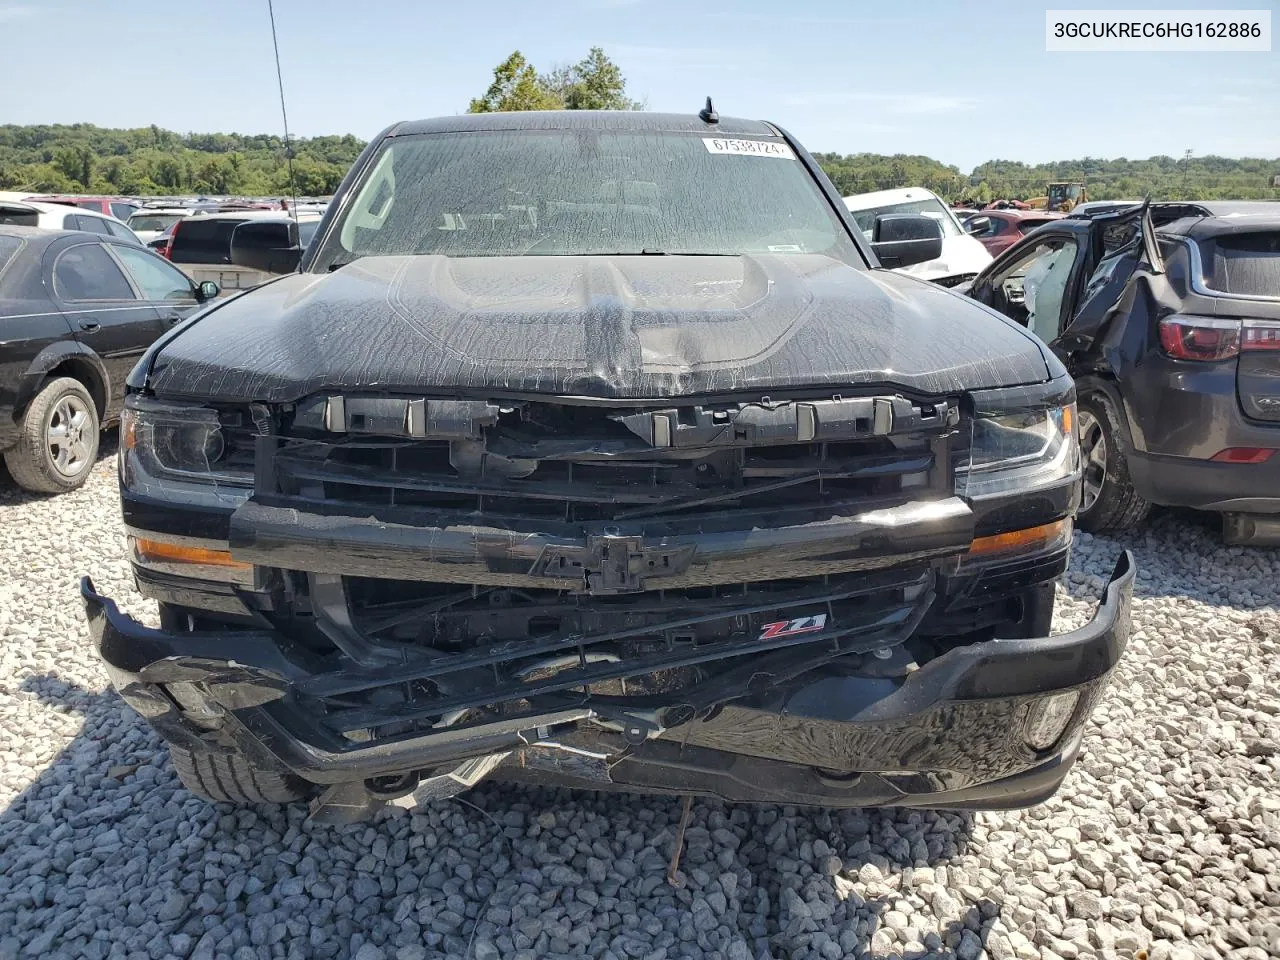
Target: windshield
<point>306,230</point>
<point>930,207</point>
<point>153,221</point>
<point>584,193</point>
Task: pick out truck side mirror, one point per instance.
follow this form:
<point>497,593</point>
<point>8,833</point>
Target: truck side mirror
<point>901,239</point>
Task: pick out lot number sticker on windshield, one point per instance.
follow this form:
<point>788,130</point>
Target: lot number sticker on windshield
<point>749,148</point>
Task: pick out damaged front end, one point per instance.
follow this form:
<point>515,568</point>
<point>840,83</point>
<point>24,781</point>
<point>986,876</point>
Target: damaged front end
<point>821,600</point>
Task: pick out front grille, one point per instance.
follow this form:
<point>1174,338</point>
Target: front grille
<point>566,464</point>
<point>473,656</point>
<point>492,559</point>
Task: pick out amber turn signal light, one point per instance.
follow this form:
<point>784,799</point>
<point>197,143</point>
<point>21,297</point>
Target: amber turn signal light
<point>156,551</point>
<point>1028,539</point>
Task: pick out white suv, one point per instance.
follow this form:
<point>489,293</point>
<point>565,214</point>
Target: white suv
<point>962,258</point>
<point>151,222</point>
<point>63,216</point>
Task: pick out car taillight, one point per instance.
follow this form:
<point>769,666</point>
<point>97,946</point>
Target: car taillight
<point>1260,335</point>
<point>1200,338</point>
<point>166,249</point>
<point>1216,338</point>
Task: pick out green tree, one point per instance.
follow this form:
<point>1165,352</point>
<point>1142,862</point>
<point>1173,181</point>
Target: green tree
<point>46,178</point>
<point>593,83</point>
<point>76,164</point>
<point>168,173</point>
<point>515,86</point>
<point>113,172</point>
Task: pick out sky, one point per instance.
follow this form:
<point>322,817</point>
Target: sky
<point>959,82</point>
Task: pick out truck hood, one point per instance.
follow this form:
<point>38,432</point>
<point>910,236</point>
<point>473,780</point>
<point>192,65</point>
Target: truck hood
<point>625,327</point>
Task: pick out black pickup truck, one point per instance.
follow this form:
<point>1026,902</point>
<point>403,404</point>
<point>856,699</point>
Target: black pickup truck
<point>596,449</point>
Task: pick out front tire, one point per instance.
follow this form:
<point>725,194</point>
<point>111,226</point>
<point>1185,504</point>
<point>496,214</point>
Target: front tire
<point>1108,501</point>
<point>58,439</point>
<point>235,778</point>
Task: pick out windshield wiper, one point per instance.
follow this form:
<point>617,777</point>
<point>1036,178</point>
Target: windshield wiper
<point>653,252</point>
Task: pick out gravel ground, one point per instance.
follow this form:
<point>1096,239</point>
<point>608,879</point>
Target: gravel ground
<point>1165,838</point>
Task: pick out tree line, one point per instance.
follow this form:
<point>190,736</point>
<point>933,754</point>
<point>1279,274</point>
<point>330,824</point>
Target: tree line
<point>151,161</point>
<point>144,161</point>
<point>1160,177</point>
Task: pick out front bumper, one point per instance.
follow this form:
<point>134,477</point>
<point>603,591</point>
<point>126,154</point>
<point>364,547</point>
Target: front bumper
<point>967,729</point>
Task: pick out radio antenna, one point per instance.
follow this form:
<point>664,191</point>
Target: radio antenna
<point>288,149</point>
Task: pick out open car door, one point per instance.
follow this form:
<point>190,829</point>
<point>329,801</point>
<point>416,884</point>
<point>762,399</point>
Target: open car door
<point>1120,244</point>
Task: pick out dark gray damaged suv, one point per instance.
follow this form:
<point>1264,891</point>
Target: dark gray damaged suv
<point>595,448</point>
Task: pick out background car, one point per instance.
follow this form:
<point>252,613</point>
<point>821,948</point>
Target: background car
<point>962,256</point>
<point>77,311</point>
<point>1093,208</point>
<point>149,223</point>
<point>201,246</point>
<point>997,230</point>
<point>63,216</point>
<point>121,208</point>
<point>1169,319</point>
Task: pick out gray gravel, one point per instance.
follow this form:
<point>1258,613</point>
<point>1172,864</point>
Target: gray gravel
<point>1166,837</point>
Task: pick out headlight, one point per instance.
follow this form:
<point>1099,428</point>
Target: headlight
<point>163,445</point>
<point>1020,451</point>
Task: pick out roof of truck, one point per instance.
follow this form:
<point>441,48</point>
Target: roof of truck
<point>586,120</point>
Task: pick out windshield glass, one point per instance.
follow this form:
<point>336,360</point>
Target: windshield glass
<point>306,230</point>
<point>153,221</point>
<point>584,193</point>
<point>929,207</point>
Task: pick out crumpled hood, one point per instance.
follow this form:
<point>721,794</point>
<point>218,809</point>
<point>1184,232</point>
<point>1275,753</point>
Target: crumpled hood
<point>628,327</point>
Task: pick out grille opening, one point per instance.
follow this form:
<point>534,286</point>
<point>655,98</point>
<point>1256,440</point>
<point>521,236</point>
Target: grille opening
<point>591,487</point>
<point>540,626</point>
<point>446,616</point>
<point>491,653</point>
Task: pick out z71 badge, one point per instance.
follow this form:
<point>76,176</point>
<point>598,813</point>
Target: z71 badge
<point>787,628</point>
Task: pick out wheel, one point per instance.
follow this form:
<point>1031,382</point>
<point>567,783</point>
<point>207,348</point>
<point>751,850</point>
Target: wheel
<point>1107,499</point>
<point>235,778</point>
<point>58,439</point>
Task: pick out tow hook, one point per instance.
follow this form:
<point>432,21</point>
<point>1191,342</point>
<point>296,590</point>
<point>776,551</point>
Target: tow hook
<point>442,786</point>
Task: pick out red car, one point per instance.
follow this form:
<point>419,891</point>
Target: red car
<point>1006,227</point>
<point>119,207</point>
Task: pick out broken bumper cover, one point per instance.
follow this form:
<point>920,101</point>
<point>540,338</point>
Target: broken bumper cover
<point>989,725</point>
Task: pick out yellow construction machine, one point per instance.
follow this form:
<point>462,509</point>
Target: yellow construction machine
<point>1062,197</point>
